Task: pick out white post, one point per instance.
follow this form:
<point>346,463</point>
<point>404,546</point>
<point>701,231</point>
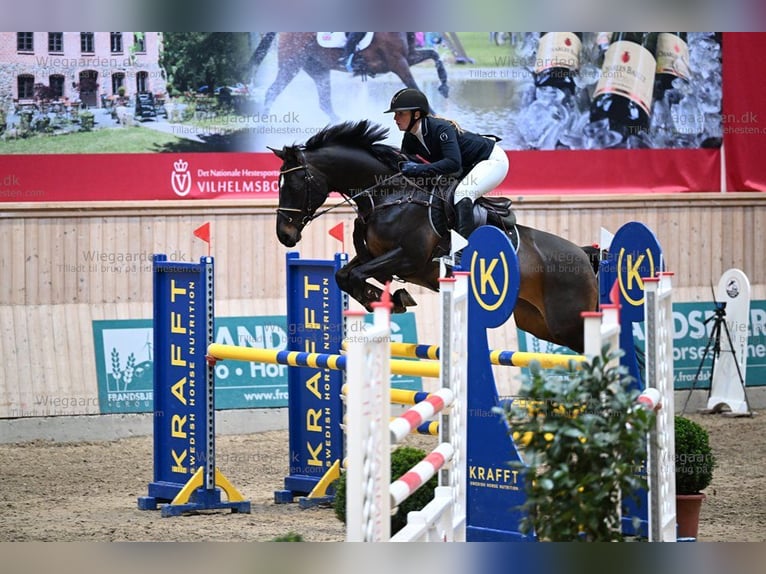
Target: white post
<point>368,511</point>
<point>727,385</point>
<point>453,375</point>
<point>661,469</point>
<point>601,327</point>
<point>444,518</point>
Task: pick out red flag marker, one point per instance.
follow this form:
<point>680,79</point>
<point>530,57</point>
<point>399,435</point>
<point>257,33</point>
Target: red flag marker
<point>338,233</point>
<point>203,232</point>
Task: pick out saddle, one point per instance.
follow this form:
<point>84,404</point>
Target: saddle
<point>338,40</point>
<point>494,211</point>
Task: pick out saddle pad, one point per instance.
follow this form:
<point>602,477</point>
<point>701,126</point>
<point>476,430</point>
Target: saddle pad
<point>338,40</point>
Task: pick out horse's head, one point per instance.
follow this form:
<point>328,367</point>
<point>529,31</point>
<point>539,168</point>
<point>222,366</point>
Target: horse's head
<point>302,190</point>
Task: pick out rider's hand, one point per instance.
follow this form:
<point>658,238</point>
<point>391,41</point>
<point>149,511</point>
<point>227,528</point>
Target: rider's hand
<point>412,169</point>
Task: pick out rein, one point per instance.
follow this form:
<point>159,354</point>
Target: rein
<point>369,192</point>
<point>351,200</point>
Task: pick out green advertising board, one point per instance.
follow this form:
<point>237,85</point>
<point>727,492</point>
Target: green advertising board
<point>692,328</point>
<point>125,363</point>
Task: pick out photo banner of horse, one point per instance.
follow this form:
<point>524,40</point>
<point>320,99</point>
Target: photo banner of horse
<point>99,116</point>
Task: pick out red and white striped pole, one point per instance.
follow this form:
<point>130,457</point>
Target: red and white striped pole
<point>421,473</point>
<point>411,419</point>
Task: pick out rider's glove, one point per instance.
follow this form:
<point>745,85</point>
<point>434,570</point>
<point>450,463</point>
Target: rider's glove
<point>412,169</point>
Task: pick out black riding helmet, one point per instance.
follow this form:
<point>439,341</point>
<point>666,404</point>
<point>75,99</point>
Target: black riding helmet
<point>409,99</point>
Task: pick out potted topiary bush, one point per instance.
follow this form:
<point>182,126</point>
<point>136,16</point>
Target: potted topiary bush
<point>694,472</point>
<point>402,460</point>
<point>585,440</point>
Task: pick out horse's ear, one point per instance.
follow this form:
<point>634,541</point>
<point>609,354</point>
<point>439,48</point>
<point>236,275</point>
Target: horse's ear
<point>280,153</point>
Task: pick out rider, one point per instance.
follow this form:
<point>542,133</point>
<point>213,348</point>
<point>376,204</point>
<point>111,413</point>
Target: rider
<point>352,39</point>
<point>477,160</point>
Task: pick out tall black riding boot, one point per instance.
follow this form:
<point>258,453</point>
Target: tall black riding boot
<point>463,223</point>
<point>352,39</point>
<point>464,217</point>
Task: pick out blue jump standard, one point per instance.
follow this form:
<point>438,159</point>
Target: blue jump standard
<point>185,476</point>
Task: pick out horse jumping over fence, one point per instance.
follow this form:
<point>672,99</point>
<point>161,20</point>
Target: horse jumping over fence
<point>398,234</point>
<point>296,51</point>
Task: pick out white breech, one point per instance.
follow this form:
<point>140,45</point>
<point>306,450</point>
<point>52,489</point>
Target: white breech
<point>484,177</point>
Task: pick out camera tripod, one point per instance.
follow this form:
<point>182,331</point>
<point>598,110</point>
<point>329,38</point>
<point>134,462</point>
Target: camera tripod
<point>714,345</point>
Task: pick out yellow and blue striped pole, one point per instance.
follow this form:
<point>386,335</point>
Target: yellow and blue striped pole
<point>314,360</point>
<point>507,358</point>
<point>400,396</point>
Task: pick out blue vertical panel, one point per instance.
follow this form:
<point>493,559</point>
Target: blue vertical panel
<point>314,324</point>
<point>634,255</point>
<point>494,489</point>
<point>182,333</point>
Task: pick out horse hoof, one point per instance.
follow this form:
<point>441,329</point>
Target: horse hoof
<point>403,299</point>
<point>444,90</point>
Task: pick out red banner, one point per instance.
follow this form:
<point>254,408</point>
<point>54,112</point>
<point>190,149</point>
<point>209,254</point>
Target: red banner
<point>114,177</point>
<point>192,176</point>
<point>612,171</point>
<point>744,112</point>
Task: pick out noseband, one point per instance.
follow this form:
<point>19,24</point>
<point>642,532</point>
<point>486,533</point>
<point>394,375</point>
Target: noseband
<point>286,212</point>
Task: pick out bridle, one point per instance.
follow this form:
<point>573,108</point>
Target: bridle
<point>308,178</point>
<point>287,212</point>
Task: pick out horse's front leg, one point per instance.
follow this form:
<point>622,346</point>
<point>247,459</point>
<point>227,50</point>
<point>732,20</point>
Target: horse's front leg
<point>358,236</point>
<point>347,284</point>
<point>343,277</point>
<point>394,262</point>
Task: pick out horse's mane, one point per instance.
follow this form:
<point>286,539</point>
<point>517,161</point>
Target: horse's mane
<point>364,135</point>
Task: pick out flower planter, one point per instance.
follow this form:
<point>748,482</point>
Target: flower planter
<point>688,514</point>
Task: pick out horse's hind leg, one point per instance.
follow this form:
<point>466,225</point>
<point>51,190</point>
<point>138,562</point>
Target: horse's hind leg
<point>285,75</point>
<point>321,76</point>
<point>570,288</point>
<point>418,56</point>
<point>558,281</point>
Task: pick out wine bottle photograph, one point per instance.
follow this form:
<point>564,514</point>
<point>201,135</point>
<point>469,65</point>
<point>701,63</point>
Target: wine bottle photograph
<point>558,60</point>
<point>622,102</point>
<point>601,90</point>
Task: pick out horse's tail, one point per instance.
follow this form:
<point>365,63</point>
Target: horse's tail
<point>594,256</point>
<point>260,51</point>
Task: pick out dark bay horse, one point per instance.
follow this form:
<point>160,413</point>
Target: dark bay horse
<point>394,236</point>
<point>296,51</point>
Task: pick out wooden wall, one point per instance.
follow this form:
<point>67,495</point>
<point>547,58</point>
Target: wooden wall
<point>63,266</point>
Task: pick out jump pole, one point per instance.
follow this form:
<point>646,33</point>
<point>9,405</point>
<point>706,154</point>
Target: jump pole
<point>504,358</point>
<point>315,360</point>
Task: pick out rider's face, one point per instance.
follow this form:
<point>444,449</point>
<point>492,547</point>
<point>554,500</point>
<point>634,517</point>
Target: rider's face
<point>402,119</point>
